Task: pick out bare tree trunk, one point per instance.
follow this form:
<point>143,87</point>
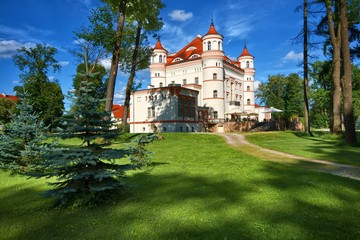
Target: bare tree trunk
<point>350,134</point>
<point>336,88</point>
<point>115,57</point>
<point>130,82</point>
<point>306,71</point>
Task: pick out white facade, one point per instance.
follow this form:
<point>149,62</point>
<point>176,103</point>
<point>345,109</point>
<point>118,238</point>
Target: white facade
<point>224,88</point>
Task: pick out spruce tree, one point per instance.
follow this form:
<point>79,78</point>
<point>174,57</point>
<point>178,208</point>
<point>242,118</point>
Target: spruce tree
<point>86,174</point>
<point>21,147</point>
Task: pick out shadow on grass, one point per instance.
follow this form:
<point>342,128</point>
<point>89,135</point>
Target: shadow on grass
<point>274,202</point>
<point>333,150</point>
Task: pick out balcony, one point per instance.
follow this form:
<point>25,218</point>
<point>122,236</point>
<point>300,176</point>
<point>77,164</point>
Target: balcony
<point>234,103</point>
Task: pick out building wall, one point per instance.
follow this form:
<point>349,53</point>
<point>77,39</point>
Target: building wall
<point>158,109</point>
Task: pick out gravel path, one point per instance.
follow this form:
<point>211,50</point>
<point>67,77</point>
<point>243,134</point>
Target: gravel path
<point>237,140</point>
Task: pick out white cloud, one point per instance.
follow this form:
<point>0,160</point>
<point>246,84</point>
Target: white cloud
<point>171,32</point>
<point>292,55</point>
<point>64,63</point>
<point>106,63</point>
<point>236,27</point>
<point>79,41</point>
<point>180,15</point>
<point>8,47</point>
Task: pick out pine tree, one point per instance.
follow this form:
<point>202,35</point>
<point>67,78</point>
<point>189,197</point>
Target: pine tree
<point>21,147</point>
<point>87,174</point>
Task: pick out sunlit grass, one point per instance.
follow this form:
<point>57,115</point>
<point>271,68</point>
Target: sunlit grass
<point>321,146</point>
<point>197,188</point>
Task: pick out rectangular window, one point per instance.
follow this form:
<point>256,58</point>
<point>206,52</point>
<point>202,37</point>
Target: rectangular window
<point>215,114</point>
<point>151,112</point>
<point>180,106</point>
<point>196,80</point>
<point>184,81</point>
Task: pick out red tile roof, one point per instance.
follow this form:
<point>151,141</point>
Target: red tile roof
<point>159,46</point>
<point>14,98</point>
<point>118,111</point>
<point>212,30</point>
<point>245,53</point>
<point>193,48</point>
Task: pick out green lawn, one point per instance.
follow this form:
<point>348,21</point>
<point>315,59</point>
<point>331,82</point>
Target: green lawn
<point>197,188</point>
<point>321,146</point>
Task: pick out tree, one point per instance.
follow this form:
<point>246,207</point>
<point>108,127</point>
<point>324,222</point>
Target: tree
<point>6,107</point>
<point>147,17</point>
<point>120,6</point>
<point>45,96</point>
<point>122,43</point>
<point>283,92</point>
<point>87,174</point>
<point>350,134</point>
<point>306,71</point>
<point>334,32</point>
<point>320,93</point>
<point>21,144</point>
<point>97,80</point>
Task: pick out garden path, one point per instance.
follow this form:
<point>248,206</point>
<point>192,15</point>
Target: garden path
<point>238,140</point>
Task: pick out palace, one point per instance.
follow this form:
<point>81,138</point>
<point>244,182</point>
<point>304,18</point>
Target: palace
<point>196,87</point>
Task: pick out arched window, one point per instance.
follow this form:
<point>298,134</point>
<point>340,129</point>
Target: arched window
<point>219,45</point>
<point>247,64</point>
<point>160,59</point>
<point>161,84</point>
<point>215,94</point>
<point>215,76</point>
<point>248,88</point>
<point>248,101</point>
<point>209,45</point>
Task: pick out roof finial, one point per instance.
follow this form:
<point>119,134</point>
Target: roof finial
<point>245,43</point>
<point>212,19</point>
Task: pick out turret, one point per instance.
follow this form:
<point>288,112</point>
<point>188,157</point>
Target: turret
<point>213,72</point>
<point>246,61</point>
<point>157,66</point>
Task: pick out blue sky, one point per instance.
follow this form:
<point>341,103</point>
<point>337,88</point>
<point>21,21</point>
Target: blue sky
<point>267,26</point>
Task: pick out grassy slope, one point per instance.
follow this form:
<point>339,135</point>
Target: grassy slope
<point>317,147</point>
<point>198,188</point>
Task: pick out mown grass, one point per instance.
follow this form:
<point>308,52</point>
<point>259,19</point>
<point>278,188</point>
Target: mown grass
<point>197,188</point>
<point>320,146</point>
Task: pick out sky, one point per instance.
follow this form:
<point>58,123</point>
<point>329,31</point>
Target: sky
<point>267,28</point>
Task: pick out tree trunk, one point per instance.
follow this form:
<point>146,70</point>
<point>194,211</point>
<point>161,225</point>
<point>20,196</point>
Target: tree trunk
<point>115,57</point>
<point>306,72</point>
<point>350,134</point>
<point>130,82</point>
<point>336,89</point>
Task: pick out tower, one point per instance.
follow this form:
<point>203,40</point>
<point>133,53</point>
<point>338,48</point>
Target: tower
<point>158,66</point>
<point>246,61</point>
<point>213,72</point>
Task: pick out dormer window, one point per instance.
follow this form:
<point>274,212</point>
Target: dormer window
<point>177,59</point>
<point>195,56</point>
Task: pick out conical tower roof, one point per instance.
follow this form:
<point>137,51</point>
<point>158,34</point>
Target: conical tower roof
<point>212,29</point>
<point>159,46</point>
<point>245,53</point>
